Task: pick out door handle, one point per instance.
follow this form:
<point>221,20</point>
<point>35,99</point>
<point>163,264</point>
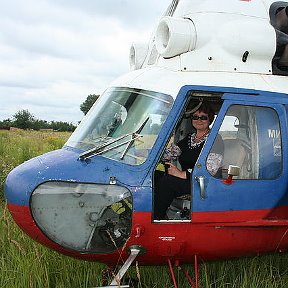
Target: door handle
<point>200,180</point>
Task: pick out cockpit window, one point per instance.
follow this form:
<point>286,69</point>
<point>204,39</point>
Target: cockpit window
<point>279,20</point>
<point>123,125</point>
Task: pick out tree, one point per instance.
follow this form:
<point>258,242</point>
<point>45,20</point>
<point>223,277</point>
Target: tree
<point>6,123</point>
<point>40,124</point>
<point>88,103</point>
<point>23,119</point>
<point>62,126</point>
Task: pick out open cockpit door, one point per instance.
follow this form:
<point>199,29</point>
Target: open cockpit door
<point>179,207</point>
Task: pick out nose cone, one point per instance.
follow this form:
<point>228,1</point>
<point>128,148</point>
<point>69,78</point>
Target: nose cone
<point>83,217</point>
<point>55,165</point>
<point>21,181</point>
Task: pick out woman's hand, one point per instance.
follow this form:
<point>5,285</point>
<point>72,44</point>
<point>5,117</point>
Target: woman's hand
<point>174,171</point>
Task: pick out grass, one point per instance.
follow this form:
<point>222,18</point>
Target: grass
<point>25,263</point>
<point>19,146</point>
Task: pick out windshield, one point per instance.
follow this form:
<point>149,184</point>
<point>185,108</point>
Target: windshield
<point>123,125</point>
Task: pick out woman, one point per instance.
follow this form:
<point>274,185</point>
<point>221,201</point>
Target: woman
<point>176,182</point>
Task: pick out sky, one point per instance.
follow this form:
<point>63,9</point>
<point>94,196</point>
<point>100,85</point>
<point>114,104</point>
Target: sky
<point>54,53</point>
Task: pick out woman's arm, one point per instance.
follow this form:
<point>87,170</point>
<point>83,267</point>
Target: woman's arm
<point>214,162</point>
<point>174,171</point>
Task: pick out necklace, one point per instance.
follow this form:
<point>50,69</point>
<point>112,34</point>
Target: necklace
<point>199,138</point>
<point>193,143</point>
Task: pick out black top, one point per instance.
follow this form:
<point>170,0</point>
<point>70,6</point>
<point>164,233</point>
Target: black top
<point>190,150</point>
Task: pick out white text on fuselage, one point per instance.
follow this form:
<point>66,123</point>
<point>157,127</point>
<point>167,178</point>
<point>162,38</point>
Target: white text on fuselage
<point>272,133</point>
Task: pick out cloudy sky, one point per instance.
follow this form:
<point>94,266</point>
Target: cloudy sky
<point>54,53</point>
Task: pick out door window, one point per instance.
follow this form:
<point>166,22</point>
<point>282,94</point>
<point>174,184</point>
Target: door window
<point>252,141</point>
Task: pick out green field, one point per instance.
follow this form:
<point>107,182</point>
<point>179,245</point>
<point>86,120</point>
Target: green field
<point>25,263</point>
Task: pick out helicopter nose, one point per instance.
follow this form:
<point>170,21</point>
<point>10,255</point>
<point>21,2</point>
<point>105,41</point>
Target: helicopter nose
<point>87,218</point>
<point>20,182</point>
<point>82,217</point>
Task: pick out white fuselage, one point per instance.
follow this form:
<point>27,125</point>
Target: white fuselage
<point>228,43</point>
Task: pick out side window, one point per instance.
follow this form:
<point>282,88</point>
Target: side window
<point>252,141</point>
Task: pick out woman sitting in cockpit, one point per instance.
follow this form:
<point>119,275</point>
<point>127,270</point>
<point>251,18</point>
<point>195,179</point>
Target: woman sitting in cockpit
<point>176,182</point>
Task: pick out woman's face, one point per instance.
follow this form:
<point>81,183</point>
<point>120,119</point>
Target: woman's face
<point>200,121</point>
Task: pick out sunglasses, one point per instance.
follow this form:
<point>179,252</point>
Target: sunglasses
<point>194,117</point>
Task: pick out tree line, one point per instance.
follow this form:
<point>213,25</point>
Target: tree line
<point>23,119</point>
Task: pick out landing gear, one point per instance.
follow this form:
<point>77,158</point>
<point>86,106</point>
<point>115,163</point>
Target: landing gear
<point>133,283</point>
<point>134,252</point>
<point>108,274</point>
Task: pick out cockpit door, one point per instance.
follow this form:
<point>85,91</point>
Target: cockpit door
<point>253,135</point>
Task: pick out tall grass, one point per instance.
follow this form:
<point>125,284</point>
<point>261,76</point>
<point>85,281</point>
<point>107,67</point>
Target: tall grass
<point>19,146</point>
<point>25,263</point>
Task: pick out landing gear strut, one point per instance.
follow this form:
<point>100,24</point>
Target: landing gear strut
<point>137,250</point>
<point>134,252</point>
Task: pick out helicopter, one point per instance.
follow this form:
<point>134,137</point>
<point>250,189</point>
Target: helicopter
<point>94,198</point>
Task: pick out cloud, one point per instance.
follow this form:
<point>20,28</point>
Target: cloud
<point>128,13</point>
<point>54,53</point>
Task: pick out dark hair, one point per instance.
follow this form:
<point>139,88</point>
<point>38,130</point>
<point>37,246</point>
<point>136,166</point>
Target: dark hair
<point>207,109</point>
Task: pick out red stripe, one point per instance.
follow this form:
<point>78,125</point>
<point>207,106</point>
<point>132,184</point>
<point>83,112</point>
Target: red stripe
<point>211,235</point>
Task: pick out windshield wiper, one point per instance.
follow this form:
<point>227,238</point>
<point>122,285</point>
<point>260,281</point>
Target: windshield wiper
<point>134,137</point>
<point>99,149</point>
<point>91,152</point>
